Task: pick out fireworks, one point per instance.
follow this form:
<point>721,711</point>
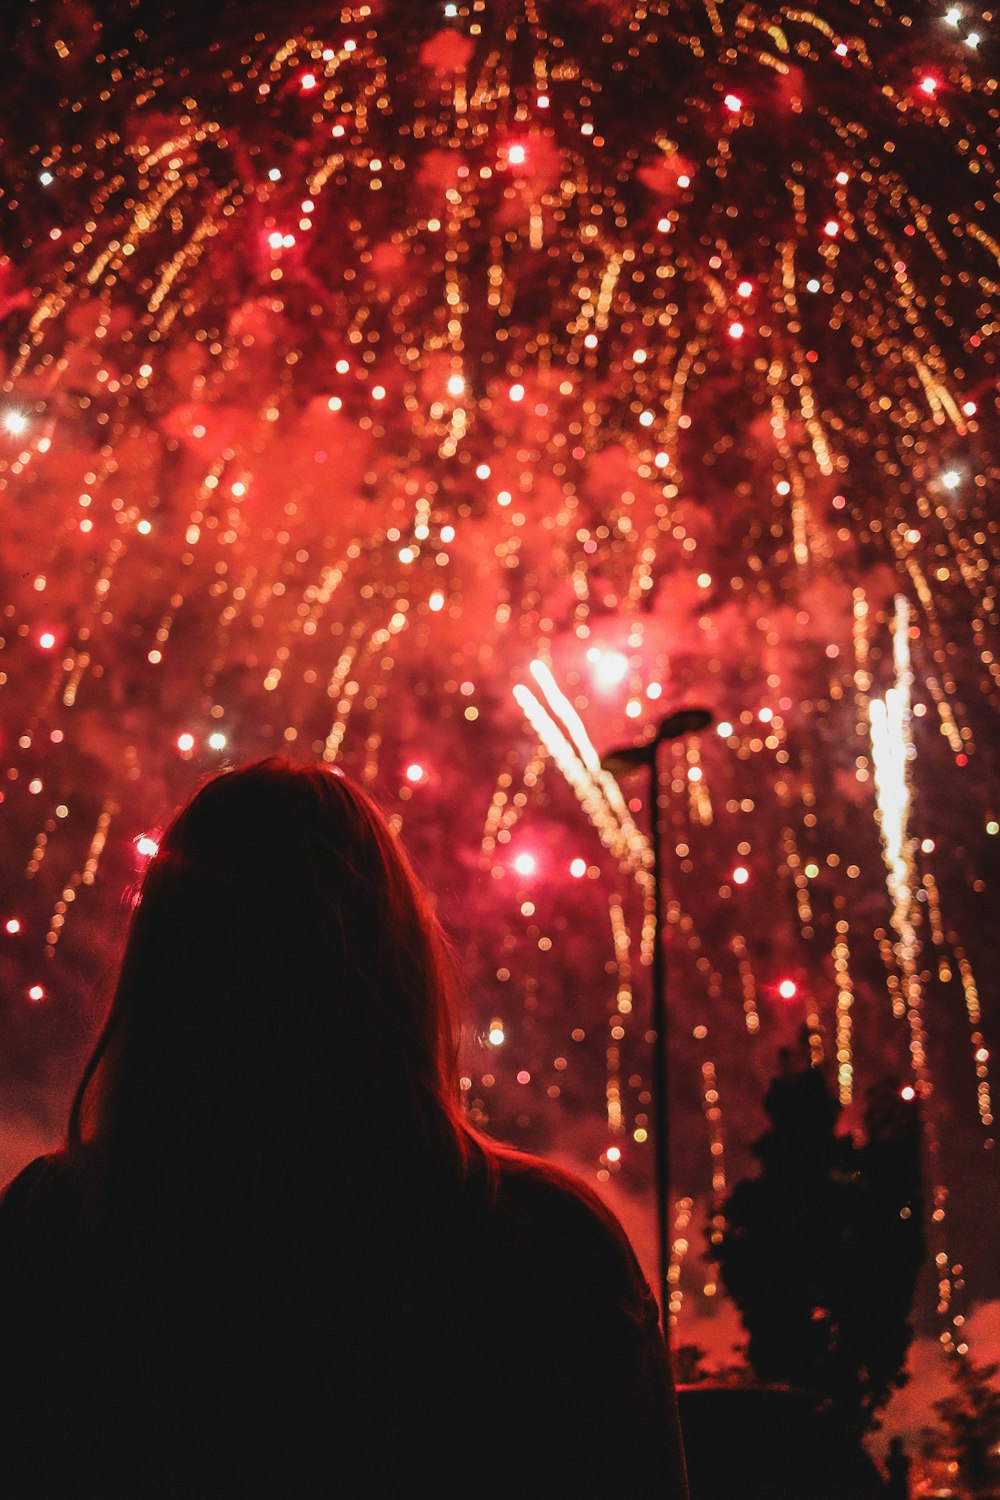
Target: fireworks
<point>370,364</point>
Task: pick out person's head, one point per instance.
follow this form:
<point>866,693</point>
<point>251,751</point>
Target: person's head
<point>284,980</point>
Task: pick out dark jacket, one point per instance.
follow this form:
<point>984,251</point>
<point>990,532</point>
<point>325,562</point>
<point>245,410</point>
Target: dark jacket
<point>491,1338</point>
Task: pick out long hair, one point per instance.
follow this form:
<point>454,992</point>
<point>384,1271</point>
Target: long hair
<point>285,995</point>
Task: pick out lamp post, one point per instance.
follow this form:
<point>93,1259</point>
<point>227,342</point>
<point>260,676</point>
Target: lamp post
<point>622,763</point>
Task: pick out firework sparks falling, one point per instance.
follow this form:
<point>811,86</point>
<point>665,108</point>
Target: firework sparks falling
<point>364,362</point>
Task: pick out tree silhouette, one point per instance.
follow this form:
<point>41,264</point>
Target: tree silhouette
<point>822,1250</point>
<point>968,1436</point>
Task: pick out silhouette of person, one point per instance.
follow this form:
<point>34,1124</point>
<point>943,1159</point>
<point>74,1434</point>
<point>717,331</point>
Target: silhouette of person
<point>273,1257</point>
<point>897,1466</point>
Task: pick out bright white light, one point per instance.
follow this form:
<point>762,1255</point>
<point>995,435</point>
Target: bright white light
<point>525,864</point>
<point>733,102</point>
<point>973,40</point>
<point>516,393</point>
<point>185,742</point>
<point>15,422</point>
<point>456,385</point>
<point>496,1034</point>
<point>889,721</point>
<point>577,868</point>
<point>147,846</point>
<point>45,178</point>
<point>812,285</point>
<point>724,729</point>
<point>217,740</point>
<point>610,668</point>
<point>436,601</point>
<point>516,156</point>
<point>953,16</point>
<point>951,479</point>
<point>415,772</point>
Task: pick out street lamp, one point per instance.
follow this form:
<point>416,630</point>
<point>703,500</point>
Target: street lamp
<point>622,763</point>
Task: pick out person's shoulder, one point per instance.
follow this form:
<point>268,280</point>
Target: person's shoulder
<point>548,1198</point>
<point>43,1188</point>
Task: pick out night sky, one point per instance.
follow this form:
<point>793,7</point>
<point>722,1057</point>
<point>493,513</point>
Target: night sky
<point>449,392</point>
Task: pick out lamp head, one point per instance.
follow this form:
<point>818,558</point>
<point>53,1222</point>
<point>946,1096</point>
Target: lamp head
<point>632,757</point>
